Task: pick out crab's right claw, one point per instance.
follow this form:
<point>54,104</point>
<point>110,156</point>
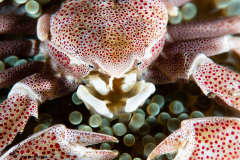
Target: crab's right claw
<point>62,143</point>
<point>203,138</point>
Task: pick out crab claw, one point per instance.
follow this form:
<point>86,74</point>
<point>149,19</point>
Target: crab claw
<point>203,138</point>
<point>14,114</point>
<point>219,83</point>
<point>23,101</point>
<point>61,143</point>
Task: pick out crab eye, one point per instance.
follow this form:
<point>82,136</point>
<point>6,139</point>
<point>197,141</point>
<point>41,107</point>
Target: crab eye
<point>139,63</point>
<point>91,66</point>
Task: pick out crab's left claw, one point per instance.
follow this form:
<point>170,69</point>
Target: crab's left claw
<point>203,138</point>
<point>61,143</point>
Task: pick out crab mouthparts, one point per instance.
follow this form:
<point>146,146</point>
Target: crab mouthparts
<point>110,96</point>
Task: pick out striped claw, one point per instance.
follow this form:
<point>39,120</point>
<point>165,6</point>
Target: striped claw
<point>61,143</point>
<point>203,138</point>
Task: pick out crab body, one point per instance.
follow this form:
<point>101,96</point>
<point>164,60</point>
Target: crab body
<point>113,52</point>
<point>110,39</point>
<point>110,36</point>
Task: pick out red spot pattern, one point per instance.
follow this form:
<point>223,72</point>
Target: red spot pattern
<point>12,75</point>
<point>177,59</point>
<point>14,114</point>
<point>207,46</point>
<point>112,35</point>
<point>215,138</point>
<point>203,29</point>
<point>217,80</point>
<point>203,138</point>
<point>19,48</point>
<point>58,142</point>
<point>176,65</point>
<point>171,66</point>
<point>11,24</point>
<point>49,87</point>
<point>166,69</point>
<point>64,61</point>
<point>15,111</point>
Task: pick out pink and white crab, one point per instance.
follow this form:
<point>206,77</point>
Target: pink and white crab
<point>114,52</point>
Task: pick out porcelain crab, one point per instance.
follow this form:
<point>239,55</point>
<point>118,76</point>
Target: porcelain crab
<point>112,52</point>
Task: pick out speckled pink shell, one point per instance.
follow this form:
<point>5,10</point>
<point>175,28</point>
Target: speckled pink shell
<point>111,35</point>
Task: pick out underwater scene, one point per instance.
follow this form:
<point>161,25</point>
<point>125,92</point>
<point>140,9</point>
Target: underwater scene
<point>138,132</point>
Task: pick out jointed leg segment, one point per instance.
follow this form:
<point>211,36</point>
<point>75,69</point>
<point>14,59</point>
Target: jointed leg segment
<point>16,24</point>
<point>204,29</point>
<point>20,48</point>
<point>23,101</point>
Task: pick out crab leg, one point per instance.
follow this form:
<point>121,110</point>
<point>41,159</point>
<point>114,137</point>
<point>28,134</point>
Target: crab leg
<point>9,77</point>
<point>203,138</point>
<point>20,48</point>
<point>220,83</point>
<point>179,64</point>
<point>204,29</point>
<point>208,46</point>
<point>23,101</point>
<point>14,24</point>
<point>61,143</point>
